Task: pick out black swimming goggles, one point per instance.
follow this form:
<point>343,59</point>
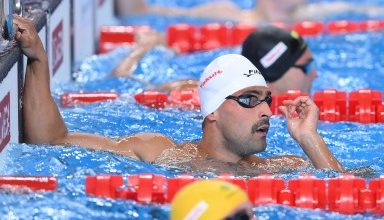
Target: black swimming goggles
<point>249,100</point>
<point>306,68</point>
<point>240,215</point>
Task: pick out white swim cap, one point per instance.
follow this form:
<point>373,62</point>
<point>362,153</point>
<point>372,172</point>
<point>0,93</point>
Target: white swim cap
<point>224,76</point>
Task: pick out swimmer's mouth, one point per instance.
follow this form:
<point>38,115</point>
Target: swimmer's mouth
<point>263,129</point>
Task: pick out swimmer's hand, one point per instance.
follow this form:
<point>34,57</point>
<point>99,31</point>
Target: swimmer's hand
<point>302,116</point>
<point>28,38</point>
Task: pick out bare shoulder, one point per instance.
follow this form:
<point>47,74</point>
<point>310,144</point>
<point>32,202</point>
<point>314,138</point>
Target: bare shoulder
<point>288,161</point>
<point>146,146</point>
<point>179,154</point>
<point>276,164</point>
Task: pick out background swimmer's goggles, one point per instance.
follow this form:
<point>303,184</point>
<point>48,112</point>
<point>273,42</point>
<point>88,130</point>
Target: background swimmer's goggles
<point>249,100</point>
<point>306,68</point>
<point>240,215</point>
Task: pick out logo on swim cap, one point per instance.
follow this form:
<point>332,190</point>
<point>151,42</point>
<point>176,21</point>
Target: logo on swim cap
<point>224,76</point>
<point>252,72</point>
<point>210,77</point>
<point>273,55</point>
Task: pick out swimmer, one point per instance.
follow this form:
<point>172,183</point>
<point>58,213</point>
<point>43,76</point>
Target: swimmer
<point>234,104</point>
<point>211,199</point>
<point>292,69</point>
<point>283,57</point>
<point>264,11</point>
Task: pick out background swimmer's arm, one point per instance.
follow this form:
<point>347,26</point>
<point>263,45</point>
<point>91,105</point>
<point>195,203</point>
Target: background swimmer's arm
<point>144,42</point>
<point>302,116</point>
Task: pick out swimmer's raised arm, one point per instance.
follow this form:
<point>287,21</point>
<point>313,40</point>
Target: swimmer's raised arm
<point>144,42</point>
<point>43,123</point>
<point>302,116</point>
<point>42,119</point>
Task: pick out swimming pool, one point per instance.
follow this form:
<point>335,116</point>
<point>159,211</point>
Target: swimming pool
<point>341,65</point>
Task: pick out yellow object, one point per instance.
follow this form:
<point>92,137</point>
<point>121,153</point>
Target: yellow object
<point>207,199</point>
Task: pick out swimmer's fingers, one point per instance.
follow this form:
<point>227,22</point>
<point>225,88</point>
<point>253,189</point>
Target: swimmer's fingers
<point>299,101</point>
<point>284,110</point>
<point>302,105</point>
<point>27,37</point>
<point>23,24</point>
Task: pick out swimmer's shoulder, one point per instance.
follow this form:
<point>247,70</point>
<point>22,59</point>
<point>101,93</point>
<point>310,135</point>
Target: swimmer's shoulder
<point>146,146</point>
<point>287,161</point>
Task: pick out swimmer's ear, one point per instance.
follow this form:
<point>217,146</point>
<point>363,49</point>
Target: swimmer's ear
<point>211,117</point>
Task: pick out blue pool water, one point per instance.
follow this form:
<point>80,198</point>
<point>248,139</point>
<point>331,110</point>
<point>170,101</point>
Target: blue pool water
<point>341,64</point>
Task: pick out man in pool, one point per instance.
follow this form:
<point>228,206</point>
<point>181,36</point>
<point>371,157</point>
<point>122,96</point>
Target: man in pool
<point>234,103</point>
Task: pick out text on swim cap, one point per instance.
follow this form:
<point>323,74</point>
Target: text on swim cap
<point>274,54</point>
<point>217,72</point>
<point>252,72</point>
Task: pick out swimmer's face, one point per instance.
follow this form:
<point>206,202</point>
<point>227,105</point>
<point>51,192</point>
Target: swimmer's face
<point>297,78</point>
<point>243,128</point>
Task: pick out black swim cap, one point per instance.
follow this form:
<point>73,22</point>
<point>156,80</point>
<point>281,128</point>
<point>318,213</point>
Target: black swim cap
<point>273,50</point>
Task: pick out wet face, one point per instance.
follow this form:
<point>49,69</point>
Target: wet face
<point>300,76</point>
<point>244,128</point>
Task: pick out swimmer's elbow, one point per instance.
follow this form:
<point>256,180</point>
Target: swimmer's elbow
<point>51,138</point>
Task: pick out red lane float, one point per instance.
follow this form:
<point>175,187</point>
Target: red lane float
<point>372,25</point>
<point>185,99</point>
<point>112,37</point>
<point>240,182</point>
<point>308,192</point>
<point>240,32</point>
<point>332,105</point>
<point>363,105</point>
<point>343,26</point>
<point>346,194</point>
<point>309,28</point>
<point>71,99</point>
<point>213,36</point>
<point>152,99</point>
<point>181,37</point>
<point>186,38</point>
<point>47,183</point>
<point>377,190</point>
<point>265,189</point>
